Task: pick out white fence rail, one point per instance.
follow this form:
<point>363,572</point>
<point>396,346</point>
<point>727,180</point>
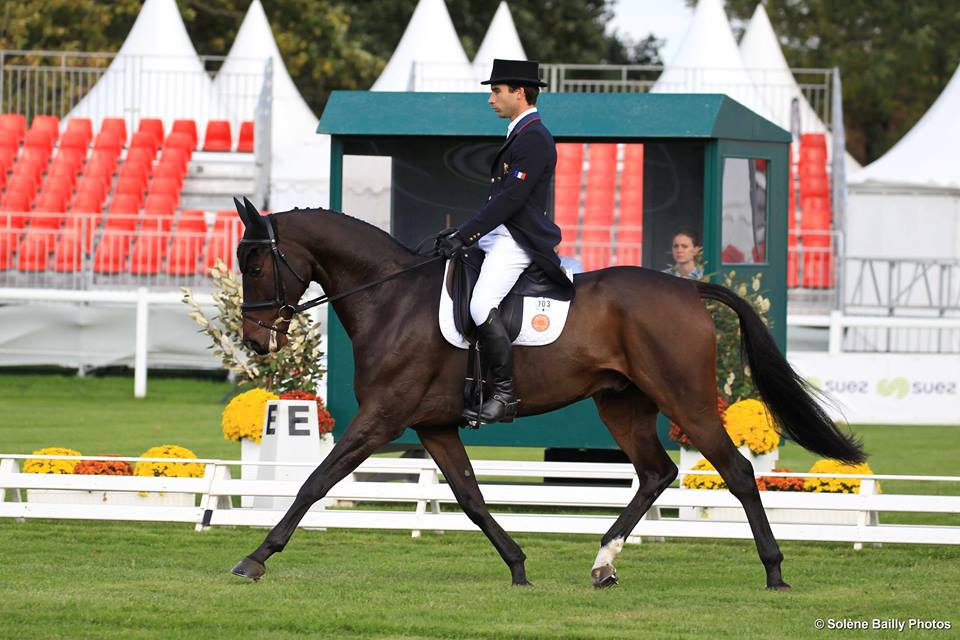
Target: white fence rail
<point>426,496</point>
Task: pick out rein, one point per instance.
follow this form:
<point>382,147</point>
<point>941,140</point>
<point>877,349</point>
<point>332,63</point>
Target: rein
<point>279,302</point>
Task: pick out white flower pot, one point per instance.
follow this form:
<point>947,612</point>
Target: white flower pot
<point>761,462</point>
<point>249,452</point>
<point>118,498</point>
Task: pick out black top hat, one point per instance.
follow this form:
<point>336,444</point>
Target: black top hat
<point>520,73</point>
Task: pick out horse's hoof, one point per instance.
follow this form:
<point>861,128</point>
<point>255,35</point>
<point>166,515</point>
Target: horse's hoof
<point>523,583</point>
<point>249,568</point>
<point>605,576</point>
<point>782,586</point>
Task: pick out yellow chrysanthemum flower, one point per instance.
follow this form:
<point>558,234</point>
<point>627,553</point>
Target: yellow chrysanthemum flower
<point>169,469</point>
<point>51,466</point>
<point>243,416</point>
<point>836,485</point>
<point>749,423</point>
<point>697,481</point>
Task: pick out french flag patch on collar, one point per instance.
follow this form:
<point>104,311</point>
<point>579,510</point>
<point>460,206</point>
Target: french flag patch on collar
<point>519,175</point>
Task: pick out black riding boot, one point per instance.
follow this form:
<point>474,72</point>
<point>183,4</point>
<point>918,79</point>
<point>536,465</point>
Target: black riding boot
<point>495,349</point>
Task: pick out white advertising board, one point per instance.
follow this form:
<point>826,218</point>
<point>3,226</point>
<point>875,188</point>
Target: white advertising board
<point>886,388</point>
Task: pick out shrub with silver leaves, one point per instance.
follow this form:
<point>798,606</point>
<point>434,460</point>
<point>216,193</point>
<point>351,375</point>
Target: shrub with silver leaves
<point>295,367</point>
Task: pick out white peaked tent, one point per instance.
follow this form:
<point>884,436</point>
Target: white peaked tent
<point>907,203</point>
<point>501,41</point>
<point>430,44</point>
<point>764,61</point>
<point>927,155</point>
<point>156,74</point>
<point>708,61</point>
<point>300,159</point>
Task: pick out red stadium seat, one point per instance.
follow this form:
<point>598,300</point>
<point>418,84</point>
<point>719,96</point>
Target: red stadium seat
<point>58,184</point>
<point>51,124</point>
<point>74,140</point>
<point>153,125</point>
<point>170,169</point>
<point>71,157</point>
<point>27,174</point>
<point>111,254</point>
<point>52,200</point>
<point>98,172</point>
<point>179,141</point>
<point>34,250</point>
<point>91,189</point>
<point>146,140</point>
<point>218,136</point>
<point>83,125</point>
<point>108,140</point>
<point>15,122</point>
<point>630,230</point>
<point>7,158</point>
<point>87,202</point>
<point>135,171</point>
<point>184,253</point>
<point>25,183</point>
<point>125,203</point>
<point>117,126</point>
<point>67,254</point>
<point>40,139</point>
<point>176,157</point>
<point>106,157</point>
<point>159,204</point>
<point>191,221</point>
<point>82,226</point>
<point>245,143</point>
<point>148,252</point>
<point>167,187</point>
<point>9,139</point>
<point>16,202</point>
<point>813,185</point>
<point>141,156</point>
<point>132,186</point>
<point>188,127</point>
<point>122,221</point>
<point>220,245</point>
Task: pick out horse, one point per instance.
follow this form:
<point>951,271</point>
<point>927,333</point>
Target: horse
<point>636,341</point>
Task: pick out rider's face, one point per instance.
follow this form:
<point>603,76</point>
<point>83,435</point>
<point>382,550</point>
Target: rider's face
<point>505,103</point>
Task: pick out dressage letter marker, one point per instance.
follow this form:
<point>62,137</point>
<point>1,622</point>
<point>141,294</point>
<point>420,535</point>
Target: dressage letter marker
<point>298,442</point>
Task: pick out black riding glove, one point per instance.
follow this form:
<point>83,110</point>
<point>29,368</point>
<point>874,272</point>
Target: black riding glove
<point>449,243</point>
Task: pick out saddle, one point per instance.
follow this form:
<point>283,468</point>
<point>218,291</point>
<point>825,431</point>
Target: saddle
<point>462,279</point>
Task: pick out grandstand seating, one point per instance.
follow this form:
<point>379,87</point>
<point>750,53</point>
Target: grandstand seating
<point>95,196</point>
<point>630,229</point>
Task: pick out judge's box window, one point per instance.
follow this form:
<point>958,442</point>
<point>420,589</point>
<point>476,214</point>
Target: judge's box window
<point>744,212</point>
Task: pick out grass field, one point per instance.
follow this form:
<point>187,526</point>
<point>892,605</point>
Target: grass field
<point>144,580</point>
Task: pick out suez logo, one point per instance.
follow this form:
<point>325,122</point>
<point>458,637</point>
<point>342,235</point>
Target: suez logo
<point>895,388</point>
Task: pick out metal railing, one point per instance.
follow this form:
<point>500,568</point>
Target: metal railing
<point>62,82</point>
<point>116,251</point>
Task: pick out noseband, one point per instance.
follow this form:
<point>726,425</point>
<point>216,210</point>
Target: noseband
<point>280,294</point>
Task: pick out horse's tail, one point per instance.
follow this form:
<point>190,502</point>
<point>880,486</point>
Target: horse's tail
<point>789,397</point>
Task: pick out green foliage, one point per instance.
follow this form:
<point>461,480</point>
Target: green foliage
<point>894,57</point>
<point>733,374</point>
<point>66,25</point>
<point>295,367</point>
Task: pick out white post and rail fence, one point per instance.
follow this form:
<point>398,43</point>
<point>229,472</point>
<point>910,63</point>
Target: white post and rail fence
<point>684,513</point>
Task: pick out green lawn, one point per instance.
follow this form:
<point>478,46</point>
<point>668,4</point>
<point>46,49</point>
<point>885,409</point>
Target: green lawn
<point>104,580</point>
<point>145,580</point>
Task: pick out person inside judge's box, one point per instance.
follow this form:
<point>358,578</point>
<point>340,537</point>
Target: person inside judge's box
<point>686,255</point>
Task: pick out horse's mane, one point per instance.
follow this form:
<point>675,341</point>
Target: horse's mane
<point>362,226</point>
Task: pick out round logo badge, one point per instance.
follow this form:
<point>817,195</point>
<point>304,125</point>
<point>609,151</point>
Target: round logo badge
<point>540,322</point>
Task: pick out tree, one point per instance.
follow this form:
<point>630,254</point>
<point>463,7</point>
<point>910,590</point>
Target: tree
<point>66,25</point>
<point>894,57</point>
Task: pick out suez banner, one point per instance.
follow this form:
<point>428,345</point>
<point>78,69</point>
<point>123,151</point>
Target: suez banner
<point>886,388</point>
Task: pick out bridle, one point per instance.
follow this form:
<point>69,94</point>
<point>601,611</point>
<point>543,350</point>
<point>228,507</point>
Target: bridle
<point>279,301</point>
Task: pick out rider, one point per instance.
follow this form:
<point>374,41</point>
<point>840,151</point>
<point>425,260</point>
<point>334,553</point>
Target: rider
<point>512,227</point>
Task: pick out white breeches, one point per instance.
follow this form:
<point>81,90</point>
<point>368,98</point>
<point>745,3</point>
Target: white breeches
<point>502,266</point>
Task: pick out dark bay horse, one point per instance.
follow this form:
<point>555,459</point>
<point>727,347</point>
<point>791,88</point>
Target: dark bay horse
<point>636,341</point>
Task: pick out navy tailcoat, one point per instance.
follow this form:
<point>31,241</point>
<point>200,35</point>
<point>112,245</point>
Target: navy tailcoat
<point>520,180</point>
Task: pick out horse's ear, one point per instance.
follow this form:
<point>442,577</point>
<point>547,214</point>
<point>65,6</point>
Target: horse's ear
<point>242,211</point>
<point>255,225</point>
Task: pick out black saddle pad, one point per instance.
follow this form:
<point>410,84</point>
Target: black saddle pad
<point>462,279</point>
